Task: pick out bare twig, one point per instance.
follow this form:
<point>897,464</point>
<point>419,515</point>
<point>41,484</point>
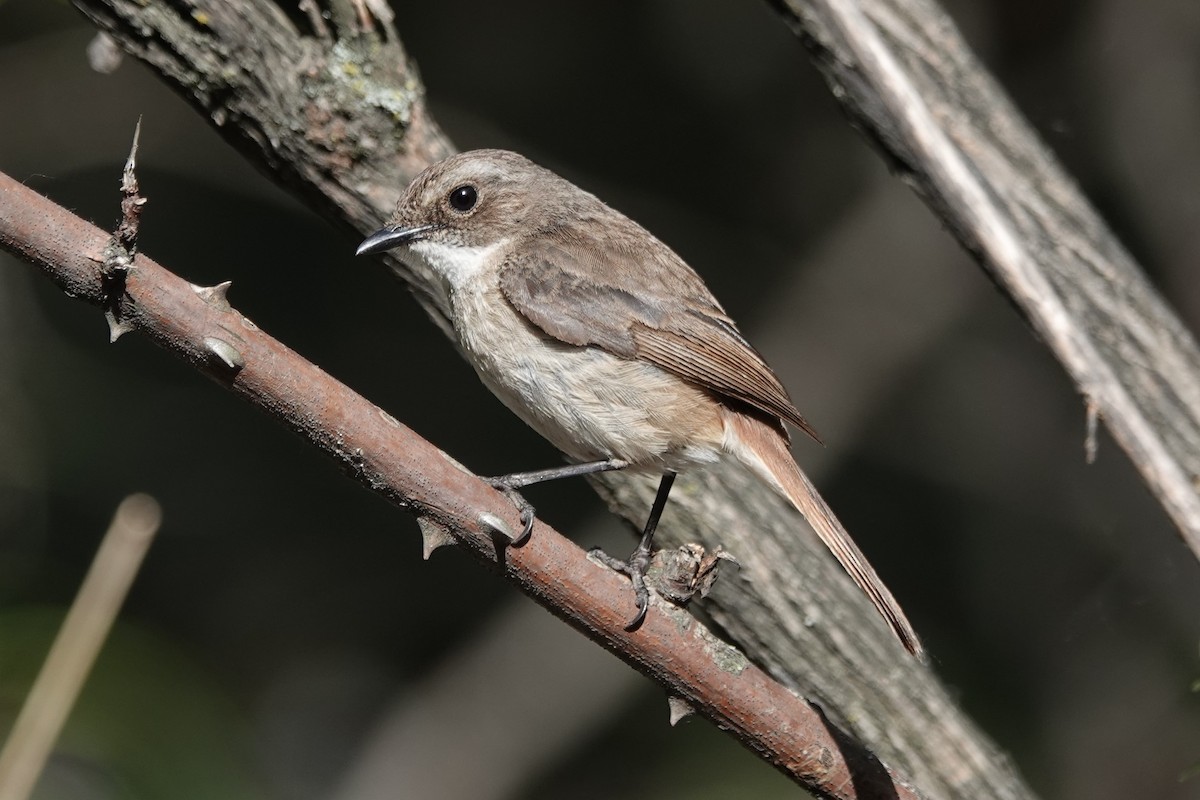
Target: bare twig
<point>671,647</point>
<point>77,645</point>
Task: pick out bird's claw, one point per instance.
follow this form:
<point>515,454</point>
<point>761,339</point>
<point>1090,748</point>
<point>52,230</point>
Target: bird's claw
<point>635,568</point>
<point>524,508</point>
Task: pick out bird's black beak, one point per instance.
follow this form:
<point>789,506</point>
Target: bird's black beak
<point>389,237</point>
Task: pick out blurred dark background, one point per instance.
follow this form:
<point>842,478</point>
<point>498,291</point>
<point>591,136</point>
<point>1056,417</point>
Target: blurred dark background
<point>285,640</point>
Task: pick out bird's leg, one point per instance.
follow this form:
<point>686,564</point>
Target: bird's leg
<point>639,560</point>
<point>517,480</point>
<point>509,484</point>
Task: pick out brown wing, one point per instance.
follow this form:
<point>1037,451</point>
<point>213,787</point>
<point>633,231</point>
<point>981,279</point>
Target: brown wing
<point>584,294</point>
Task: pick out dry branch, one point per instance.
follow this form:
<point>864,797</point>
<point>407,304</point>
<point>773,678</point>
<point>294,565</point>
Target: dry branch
<point>671,647</point>
<point>903,72</point>
<point>339,116</point>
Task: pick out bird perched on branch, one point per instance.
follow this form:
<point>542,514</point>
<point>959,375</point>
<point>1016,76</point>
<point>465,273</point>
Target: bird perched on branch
<point>604,341</point>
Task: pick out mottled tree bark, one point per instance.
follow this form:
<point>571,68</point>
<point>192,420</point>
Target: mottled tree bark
<point>905,76</point>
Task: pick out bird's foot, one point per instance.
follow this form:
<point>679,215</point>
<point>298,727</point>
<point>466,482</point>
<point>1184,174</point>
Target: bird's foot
<point>635,567</point>
<point>524,507</point>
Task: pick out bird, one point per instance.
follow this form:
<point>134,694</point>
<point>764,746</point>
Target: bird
<point>604,341</point>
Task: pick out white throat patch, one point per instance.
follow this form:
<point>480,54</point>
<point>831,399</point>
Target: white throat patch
<point>458,264</point>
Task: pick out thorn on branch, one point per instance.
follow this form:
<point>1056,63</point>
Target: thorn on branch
<point>226,353</point>
<point>121,250</point>
<point>215,296</point>
<point>433,536</point>
<point>680,709</point>
<point>497,526</point>
<point>224,349</point>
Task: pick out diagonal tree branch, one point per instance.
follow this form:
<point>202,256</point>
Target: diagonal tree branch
<point>339,115</point>
<point>198,325</point>
<point>906,77</point>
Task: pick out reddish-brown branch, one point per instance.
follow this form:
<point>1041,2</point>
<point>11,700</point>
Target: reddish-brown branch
<point>671,647</point>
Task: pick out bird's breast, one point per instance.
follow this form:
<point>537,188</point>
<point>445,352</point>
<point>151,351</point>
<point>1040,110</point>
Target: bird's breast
<point>587,402</point>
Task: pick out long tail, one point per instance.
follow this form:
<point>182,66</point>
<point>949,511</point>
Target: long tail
<point>764,450</point>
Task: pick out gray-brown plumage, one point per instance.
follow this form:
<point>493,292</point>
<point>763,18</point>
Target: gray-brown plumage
<point>602,339</point>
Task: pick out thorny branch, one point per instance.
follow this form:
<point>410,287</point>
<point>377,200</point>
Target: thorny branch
<point>199,325</point>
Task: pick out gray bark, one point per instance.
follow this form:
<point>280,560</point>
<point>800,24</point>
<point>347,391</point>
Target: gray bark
<point>905,76</point>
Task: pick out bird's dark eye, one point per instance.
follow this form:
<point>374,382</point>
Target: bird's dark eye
<point>464,198</point>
